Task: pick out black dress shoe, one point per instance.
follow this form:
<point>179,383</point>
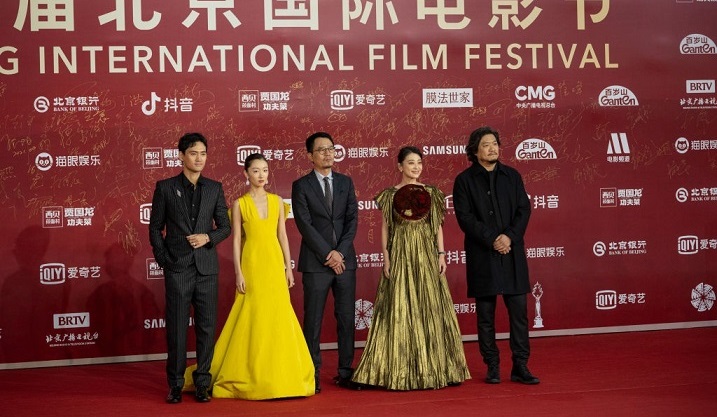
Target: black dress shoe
<point>347,383</point>
<point>175,395</point>
<point>520,373</point>
<point>493,375</point>
<point>202,395</point>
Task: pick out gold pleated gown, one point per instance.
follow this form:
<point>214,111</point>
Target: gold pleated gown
<point>414,341</point>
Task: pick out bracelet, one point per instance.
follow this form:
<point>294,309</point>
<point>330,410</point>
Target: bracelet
<point>440,252</point>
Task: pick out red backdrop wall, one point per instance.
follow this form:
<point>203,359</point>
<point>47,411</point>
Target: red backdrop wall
<point>607,108</point>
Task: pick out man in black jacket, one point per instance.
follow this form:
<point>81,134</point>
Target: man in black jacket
<point>192,211</point>
<point>493,209</point>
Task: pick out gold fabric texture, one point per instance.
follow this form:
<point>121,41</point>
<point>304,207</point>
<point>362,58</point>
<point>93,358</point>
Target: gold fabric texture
<point>414,341</point>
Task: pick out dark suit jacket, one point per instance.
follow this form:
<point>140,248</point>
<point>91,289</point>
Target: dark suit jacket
<point>169,212</point>
<point>316,225</point>
<point>471,200</point>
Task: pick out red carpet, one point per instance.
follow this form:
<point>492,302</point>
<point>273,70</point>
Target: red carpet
<point>660,373</point>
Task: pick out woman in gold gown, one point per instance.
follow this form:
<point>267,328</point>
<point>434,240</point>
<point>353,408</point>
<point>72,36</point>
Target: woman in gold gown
<point>261,352</point>
<point>414,341</point>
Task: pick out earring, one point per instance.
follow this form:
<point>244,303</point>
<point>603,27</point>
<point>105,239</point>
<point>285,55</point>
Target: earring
<point>247,181</point>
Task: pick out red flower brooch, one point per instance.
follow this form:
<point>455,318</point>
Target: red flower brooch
<point>412,202</point>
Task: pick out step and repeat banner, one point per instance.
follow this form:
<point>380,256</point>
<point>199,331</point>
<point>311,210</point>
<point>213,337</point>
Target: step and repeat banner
<point>607,108</point>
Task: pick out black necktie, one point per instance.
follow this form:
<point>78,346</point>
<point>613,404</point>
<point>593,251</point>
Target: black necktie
<point>328,195</point>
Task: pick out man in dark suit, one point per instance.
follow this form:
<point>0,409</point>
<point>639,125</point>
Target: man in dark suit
<point>192,212</point>
<point>326,214</point>
<point>493,209</point>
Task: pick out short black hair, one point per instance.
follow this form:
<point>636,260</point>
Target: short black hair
<point>474,140</point>
<point>407,150</point>
<point>189,139</point>
<point>311,139</point>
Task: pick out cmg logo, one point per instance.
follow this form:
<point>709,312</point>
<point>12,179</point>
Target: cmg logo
<point>71,320</point>
<point>52,274</point>
<point>542,93</point>
<point>606,300</point>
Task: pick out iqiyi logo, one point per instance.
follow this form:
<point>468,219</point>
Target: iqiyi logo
<point>688,245</point>
<point>52,274</point>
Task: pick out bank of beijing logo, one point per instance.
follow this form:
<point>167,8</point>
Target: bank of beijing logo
<point>531,149</point>
<point>617,96</point>
<point>364,313</point>
<point>696,44</point>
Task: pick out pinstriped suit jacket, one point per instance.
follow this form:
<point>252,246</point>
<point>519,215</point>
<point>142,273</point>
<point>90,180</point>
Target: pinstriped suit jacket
<point>170,214</point>
<point>317,226</point>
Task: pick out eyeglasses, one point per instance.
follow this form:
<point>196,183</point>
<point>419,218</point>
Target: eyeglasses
<point>326,150</point>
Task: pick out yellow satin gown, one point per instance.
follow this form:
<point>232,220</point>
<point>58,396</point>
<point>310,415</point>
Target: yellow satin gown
<point>261,352</point>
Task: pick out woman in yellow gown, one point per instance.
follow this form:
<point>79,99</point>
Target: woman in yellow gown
<point>261,352</point>
<point>414,341</point>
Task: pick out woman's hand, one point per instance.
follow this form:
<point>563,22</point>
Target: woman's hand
<point>442,264</point>
<point>241,284</point>
<point>289,277</point>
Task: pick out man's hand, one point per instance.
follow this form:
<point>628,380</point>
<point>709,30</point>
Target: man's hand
<point>502,244</point>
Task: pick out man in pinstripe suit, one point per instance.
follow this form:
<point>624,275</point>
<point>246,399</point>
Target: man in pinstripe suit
<point>192,212</point>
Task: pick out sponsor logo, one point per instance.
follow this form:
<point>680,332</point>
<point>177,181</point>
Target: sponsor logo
<point>700,86</point>
<point>52,217</point>
<point>610,299</point>
<point>363,314</point>
<point>342,99</point>
<point>606,300</point>
<point>681,195</point>
<point>618,148</point>
<point>41,104</point>
<point>444,150</point>
<point>151,158</point>
<point>696,44</point>
<point>52,273</point>
<point>154,271</point>
<point>703,297</point>
<point>438,98</point>
<point>532,149</point>
<point>174,104</point>
<point>244,151</point>
<point>367,205</point>
<point>71,320</point>
<point>617,96</point>
<point>66,104</point>
<point>599,249</point>
<point>43,161</point>
<point>623,197</point>
<point>160,323</point>
<point>682,145</point>
<point>540,93</point>
<point>145,211</point>
<point>340,153</point>
<point>248,100</point>
<point>623,247</point>
<point>688,245</point>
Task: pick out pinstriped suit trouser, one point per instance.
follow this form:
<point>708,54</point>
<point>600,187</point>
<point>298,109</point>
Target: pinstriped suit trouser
<point>182,290</point>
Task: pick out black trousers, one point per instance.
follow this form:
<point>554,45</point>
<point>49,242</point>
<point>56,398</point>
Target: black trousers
<point>517,305</point>
<point>182,290</point>
<point>316,291</point>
